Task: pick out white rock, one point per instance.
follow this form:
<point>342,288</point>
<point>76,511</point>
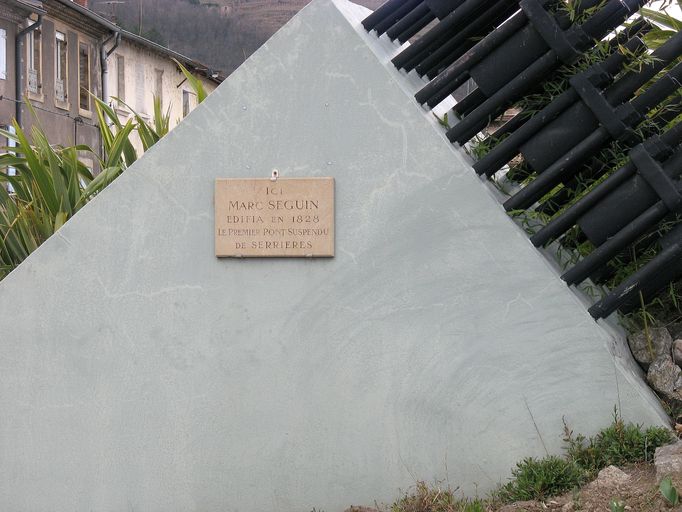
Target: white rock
<point>668,460</point>
<point>677,351</point>
<point>611,476</point>
<point>649,345</point>
<point>666,377</point>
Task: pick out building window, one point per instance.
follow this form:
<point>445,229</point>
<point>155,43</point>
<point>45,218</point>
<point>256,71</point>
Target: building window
<point>35,60</point>
<point>158,86</point>
<point>140,88</point>
<point>120,78</point>
<point>3,54</point>
<point>60,78</point>
<point>188,102</point>
<point>11,143</point>
<point>84,76</point>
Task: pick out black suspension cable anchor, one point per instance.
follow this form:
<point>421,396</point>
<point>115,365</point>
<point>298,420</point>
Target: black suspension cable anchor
<point>576,122</point>
<point>547,46</point>
<point>664,268</point>
<point>455,22</point>
<point>617,124</point>
<point>388,8</point>
<point>457,73</point>
<point>455,34</point>
<point>659,181</point>
<point>441,56</point>
<point>420,17</point>
<point>599,75</point>
<point>660,148</point>
<point>407,17</point>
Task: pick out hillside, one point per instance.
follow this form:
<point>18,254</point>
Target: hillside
<point>220,33</point>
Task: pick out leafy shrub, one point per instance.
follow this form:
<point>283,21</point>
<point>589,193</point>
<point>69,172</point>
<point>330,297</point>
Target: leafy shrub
<point>435,499</point>
<point>538,479</point>
<point>669,492</point>
<point>616,445</point>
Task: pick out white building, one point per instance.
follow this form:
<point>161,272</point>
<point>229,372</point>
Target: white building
<point>140,70</point>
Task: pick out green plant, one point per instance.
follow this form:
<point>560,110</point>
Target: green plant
<point>616,506</point>
<point>617,444</point>
<point>669,492</point>
<point>51,183</point>
<point>434,499</point>
<point>50,186</point>
<point>538,479</point>
<point>443,121</point>
<point>194,82</point>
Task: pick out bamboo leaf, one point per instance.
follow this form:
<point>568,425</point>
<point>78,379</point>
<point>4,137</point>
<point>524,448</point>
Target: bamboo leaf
<point>193,81</point>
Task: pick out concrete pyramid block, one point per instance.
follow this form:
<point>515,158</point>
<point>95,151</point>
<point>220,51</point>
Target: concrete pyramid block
<point>139,372</point>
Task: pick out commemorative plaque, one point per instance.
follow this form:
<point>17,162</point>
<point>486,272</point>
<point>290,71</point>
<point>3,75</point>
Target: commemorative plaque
<point>276,217</point>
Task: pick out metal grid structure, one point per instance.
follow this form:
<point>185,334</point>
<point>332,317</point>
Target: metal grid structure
<point>509,48</point>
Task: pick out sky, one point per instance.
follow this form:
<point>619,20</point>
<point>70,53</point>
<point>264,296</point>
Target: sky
<point>674,10</point>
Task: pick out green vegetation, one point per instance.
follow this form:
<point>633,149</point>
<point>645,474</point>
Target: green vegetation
<point>616,506</point>
<point>50,186</point>
<point>666,306</point>
<point>435,499</point>
<point>669,492</point>
<point>51,183</point>
<point>617,445</point>
<point>539,479</point>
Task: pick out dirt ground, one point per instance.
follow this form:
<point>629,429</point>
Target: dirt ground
<point>637,490</point>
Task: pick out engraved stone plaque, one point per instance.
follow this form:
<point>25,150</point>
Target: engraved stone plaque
<point>286,217</point>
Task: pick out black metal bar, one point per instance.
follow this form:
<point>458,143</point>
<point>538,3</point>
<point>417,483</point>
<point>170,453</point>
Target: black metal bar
<point>512,125</point>
<point>631,114</point>
<point>657,146</point>
<point>561,48</point>
<point>591,171</point>
<point>505,150</point>
<point>469,43</point>
<point>450,79</point>
<point>658,91</point>
<point>668,259</point>
<point>614,245</point>
<point>623,89</point>
<point>610,16</point>
<point>469,103</point>
<point>471,124</point>
<point>414,29</point>
<point>553,174</point>
<point>446,53</point>
<point>409,58</point>
<point>412,18</point>
<point>578,121</point>
<point>396,16</point>
<point>382,12</point>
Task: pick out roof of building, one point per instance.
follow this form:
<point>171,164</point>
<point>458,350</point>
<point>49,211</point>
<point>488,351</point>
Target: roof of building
<point>191,64</point>
<point>31,5</point>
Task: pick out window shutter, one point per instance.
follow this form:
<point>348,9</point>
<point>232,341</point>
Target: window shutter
<point>3,54</point>
<point>139,87</point>
<point>120,78</point>
<point>11,171</point>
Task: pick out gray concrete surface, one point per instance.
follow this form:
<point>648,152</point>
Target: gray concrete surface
<point>140,373</point>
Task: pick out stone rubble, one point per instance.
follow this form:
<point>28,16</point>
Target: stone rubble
<point>677,351</point>
<point>665,377</point>
<point>611,476</point>
<point>647,346</point>
<point>675,330</point>
<point>668,461</point>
